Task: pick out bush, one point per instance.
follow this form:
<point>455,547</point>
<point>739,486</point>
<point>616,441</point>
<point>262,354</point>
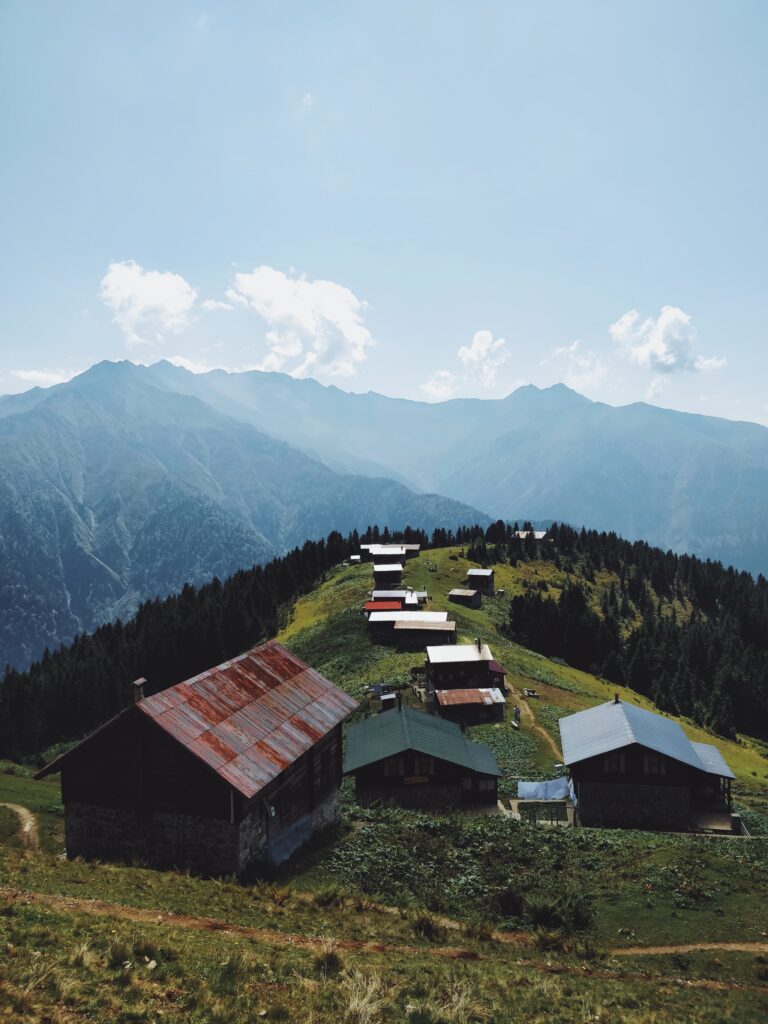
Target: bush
<point>428,927</point>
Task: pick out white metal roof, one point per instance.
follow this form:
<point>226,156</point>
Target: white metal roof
<point>393,595</point>
<point>473,696</point>
<point>386,549</point>
<point>461,592</point>
<point>537,534</point>
<point>479,572</point>
<point>396,567</point>
<point>442,627</point>
<point>375,617</point>
<point>461,653</point>
<point>615,725</point>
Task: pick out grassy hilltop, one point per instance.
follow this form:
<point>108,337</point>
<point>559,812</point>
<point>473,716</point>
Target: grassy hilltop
<point>401,916</point>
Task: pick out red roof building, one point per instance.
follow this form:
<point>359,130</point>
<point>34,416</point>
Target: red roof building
<point>240,763</point>
<point>383,606</point>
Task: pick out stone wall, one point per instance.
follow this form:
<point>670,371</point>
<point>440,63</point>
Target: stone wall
<point>653,807</point>
<point>207,845</point>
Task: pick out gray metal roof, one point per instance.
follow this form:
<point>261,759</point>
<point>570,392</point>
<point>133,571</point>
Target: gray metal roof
<point>614,725</point>
<point>392,595</point>
<point>394,732</point>
<point>712,760</point>
<point>479,572</point>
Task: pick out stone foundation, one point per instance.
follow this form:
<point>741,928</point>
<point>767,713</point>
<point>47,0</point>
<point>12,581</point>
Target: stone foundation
<point>628,806</point>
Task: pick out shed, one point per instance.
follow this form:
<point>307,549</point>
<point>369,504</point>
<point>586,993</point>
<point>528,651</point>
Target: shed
<point>385,575</point>
<point>469,598</point>
<point>240,764</point>
<point>413,759</point>
<point>470,707</point>
<point>634,768</point>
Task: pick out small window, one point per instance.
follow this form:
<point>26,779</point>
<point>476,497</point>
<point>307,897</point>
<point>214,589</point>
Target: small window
<point>654,764</point>
<point>393,766</point>
<point>615,763</point>
<point>466,784</point>
<point>425,765</point>
<point>487,785</point>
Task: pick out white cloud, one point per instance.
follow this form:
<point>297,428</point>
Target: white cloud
<point>440,386</point>
<point>308,101</point>
<point>482,357</point>
<point>147,304</point>
<point>585,371</point>
<point>45,378</point>
<point>213,304</point>
<point>657,387</point>
<point>314,326</point>
<point>664,344</point>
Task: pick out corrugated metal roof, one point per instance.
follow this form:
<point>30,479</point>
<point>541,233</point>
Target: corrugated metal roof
<point>475,696</point>
<point>385,549</point>
<point>614,725</point>
<point>393,733</point>
<point>440,627</point>
<point>712,759</point>
<point>461,653</point>
<point>382,606</point>
<point>395,567</point>
<point>460,592</point>
<point>382,617</point>
<point>386,595</point>
<point>252,717</point>
<point>479,572</point>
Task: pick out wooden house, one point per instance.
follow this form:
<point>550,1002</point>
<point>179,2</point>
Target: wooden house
<point>381,624</point>
<point>468,598</point>
<point>415,636</point>
<point>239,765</point>
<point>411,599</point>
<point>387,575</point>
<point>463,667</point>
<point>482,580</point>
<point>413,759</point>
<point>636,769</point>
<point>470,707</point>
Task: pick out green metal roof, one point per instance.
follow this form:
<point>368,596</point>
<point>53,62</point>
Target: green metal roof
<point>393,732</point>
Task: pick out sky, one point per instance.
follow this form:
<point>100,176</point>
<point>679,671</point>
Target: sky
<point>426,200</point>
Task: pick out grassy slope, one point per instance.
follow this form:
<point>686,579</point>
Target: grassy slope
<point>645,889</point>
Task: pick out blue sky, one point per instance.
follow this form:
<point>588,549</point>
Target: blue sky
<point>426,199</point>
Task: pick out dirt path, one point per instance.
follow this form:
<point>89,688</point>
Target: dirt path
<point>693,947</point>
<point>528,714</point>
<point>267,936</point>
<point>28,826</point>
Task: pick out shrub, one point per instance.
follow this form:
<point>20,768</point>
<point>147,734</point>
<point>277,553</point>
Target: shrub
<point>428,927</point>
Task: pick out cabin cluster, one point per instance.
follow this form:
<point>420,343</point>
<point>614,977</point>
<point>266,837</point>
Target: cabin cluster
<point>242,765</point>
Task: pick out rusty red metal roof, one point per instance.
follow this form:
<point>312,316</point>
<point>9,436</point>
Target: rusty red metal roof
<point>383,606</point>
<point>252,717</point>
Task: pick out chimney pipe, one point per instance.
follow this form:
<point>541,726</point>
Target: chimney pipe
<point>615,698</point>
<point>479,644</point>
<point>138,689</point>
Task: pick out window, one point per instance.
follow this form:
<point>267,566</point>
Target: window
<point>487,785</point>
<point>615,763</point>
<point>424,765</point>
<point>466,784</point>
<point>654,764</point>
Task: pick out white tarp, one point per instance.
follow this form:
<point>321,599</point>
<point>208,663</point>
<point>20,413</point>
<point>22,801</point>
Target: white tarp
<point>554,789</point>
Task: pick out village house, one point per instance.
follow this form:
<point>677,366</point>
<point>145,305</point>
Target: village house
<point>411,599</point>
<point>470,707</point>
<point>382,623</point>
<point>386,576</point>
<point>463,667</point>
<point>389,552</point>
<point>239,765</point>
<point>413,759</point>
<point>414,635</point>
<point>469,598</point>
<point>482,580</point>
<point>636,769</point>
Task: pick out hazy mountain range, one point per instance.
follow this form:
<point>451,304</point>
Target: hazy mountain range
<point>113,489</point>
<point>128,481</point>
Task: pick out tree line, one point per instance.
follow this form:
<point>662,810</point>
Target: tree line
<point>690,634</point>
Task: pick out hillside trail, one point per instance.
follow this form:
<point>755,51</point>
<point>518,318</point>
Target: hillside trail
<point>527,713</point>
<point>27,825</point>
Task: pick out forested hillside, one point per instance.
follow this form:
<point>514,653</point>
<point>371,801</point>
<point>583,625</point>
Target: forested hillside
<point>692,636</point>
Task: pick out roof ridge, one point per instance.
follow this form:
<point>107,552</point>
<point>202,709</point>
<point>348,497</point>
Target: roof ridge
<point>627,722</point>
<point>406,728</point>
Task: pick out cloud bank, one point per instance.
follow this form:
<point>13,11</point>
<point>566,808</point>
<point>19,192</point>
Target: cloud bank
<point>664,344</point>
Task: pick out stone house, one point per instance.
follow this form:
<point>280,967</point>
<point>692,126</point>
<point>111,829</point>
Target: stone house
<point>239,765</point>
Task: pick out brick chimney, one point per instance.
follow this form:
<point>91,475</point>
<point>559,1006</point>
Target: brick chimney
<point>138,689</point>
